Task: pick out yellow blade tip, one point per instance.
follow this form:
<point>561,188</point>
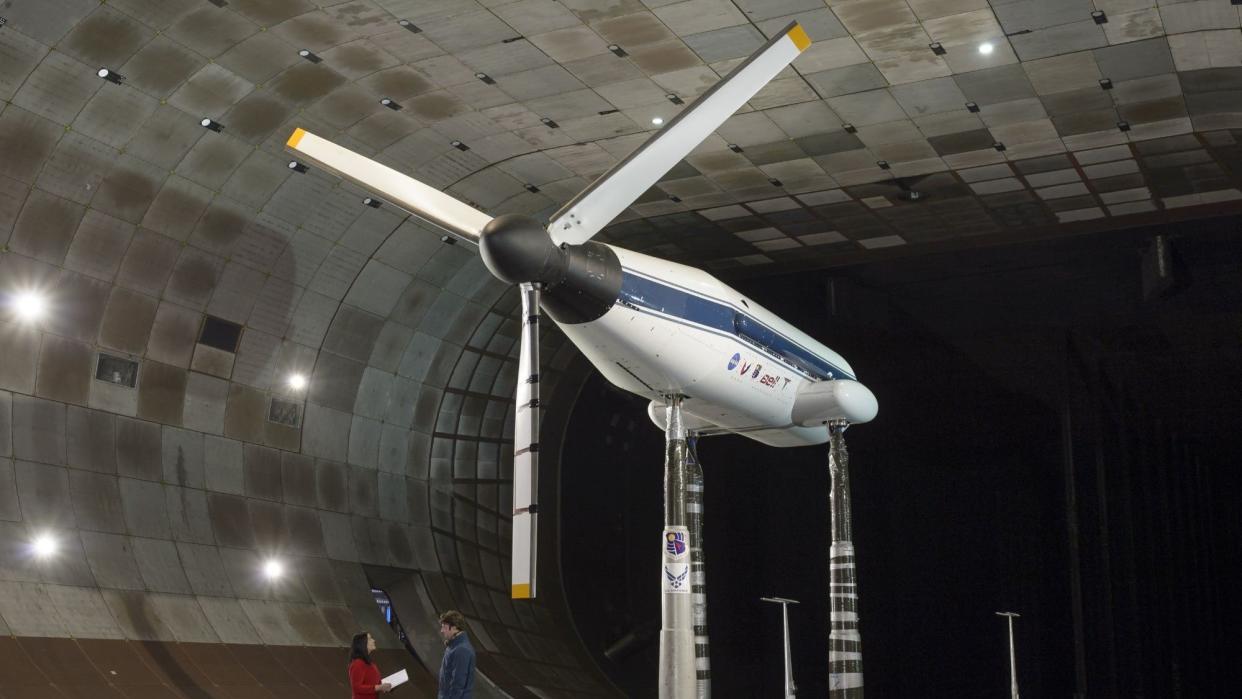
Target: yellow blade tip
<point>521,591</point>
<point>296,138</point>
<point>799,36</point>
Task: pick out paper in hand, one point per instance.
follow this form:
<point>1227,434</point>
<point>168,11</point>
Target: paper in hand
<point>397,679</point>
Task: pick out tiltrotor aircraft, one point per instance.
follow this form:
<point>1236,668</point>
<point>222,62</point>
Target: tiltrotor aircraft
<point>652,327</point>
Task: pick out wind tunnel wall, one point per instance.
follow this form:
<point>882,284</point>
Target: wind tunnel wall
<point>168,496</point>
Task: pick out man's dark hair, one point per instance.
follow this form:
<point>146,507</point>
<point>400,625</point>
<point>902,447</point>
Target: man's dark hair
<point>358,648</point>
<point>453,618</point>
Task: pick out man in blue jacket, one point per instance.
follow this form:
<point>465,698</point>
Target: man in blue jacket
<point>457,669</point>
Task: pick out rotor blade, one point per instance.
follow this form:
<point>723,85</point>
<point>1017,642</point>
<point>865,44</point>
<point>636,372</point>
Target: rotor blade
<point>427,203</point>
<point>597,205</point>
<point>526,451</point>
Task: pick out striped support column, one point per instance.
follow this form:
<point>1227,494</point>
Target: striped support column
<point>698,572</point>
<point>845,676</point>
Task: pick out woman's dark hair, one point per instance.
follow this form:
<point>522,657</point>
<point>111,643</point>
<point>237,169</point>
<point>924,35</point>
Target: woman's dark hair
<point>358,648</point>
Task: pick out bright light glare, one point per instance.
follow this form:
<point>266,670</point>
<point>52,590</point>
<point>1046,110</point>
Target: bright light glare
<point>273,569</point>
<point>28,305</point>
<point>657,121</point>
<point>44,545</point>
<point>297,382</point>
<point>985,48</point>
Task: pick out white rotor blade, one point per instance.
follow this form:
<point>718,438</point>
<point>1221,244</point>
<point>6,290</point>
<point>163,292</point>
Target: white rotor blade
<point>427,203</point>
<point>597,205</point>
<point>526,451</point>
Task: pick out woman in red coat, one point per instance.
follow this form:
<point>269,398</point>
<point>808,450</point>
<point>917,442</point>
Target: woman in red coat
<point>364,675</point>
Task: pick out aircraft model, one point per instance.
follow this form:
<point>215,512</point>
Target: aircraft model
<point>652,327</point>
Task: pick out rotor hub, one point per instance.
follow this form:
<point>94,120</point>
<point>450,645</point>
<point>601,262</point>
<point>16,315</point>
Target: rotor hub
<point>518,250</point>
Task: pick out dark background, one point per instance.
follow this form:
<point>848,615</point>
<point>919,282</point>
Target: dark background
<point>1055,437</point>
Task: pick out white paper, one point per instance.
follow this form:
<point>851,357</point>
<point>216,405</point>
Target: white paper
<point>397,679</point>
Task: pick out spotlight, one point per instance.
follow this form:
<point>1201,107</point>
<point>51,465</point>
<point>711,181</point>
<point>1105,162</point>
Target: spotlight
<point>460,146</point>
<point>657,120</point>
<point>110,75</point>
<point>409,25</point>
<point>883,164</point>
<point>297,382</point>
<point>390,104</point>
<point>849,128</point>
<point>297,167</point>
<point>1123,126</point>
<point>309,55</point>
<point>1106,83</point>
<point>273,569</point>
<point>617,50</point>
<point>675,199</point>
<point>531,188</point>
<point>487,79</point>
<point>674,99</point>
<point>735,148</point>
<point>550,123</point>
<point>210,124</point>
<point>985,48</point>
<point>775,182</point>
<point>999,146</point>
<point>972,107</point>
<point>1100,17</point>
<point>44,545</point>
<point>936,48</point>
<point>372,202</point>
<point>29,306</point>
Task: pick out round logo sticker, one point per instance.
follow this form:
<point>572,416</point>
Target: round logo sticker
<point>733,361</point>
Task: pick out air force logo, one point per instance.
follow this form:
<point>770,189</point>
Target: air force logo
<point>734,360</point>
<point>676,581</point>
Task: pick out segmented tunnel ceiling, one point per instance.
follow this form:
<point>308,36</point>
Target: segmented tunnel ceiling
<point>1109,112</point>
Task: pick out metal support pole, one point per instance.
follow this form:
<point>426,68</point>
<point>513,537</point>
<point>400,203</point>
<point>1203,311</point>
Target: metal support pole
<point>698,571</point>
<point>1013,665</point>
<point>677,672</point>
<point>791,689</point>
<point>845,674</point>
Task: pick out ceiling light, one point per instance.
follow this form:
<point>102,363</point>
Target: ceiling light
<point>210,124</point>
<point>1106,83</point>
<point>1099,17</point>
<point>617,50</point>
<point>735,148</point>
<point>972,107</point>
<point>1123,126</point>
<point>30,306</point>
<point>775,182</point>
<point>883,164</point>
<point>409,25</point>
<point>548,122</point>
<point>273,569</point>
<point>849,128</point>
<point>1000,147</point>
<point>986,47</point>
<point>531,188</point>
<point>460,146</point>
<point>936,48</point>
<point>110,75</point>
<point>44,545</point>
<point>487,79</point>
<point>657,120</point>
<point>297,381</point>
<point>309,55</point>
<point>674,99</point>
<point>296,166</point>
<point>372,202</point>
<point>390,104</point>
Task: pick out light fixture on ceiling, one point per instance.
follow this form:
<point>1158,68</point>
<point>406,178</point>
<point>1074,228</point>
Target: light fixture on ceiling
<point>849,128</point>
<point>775,182</point>
<point>460,146</point>
<point>620,52</point>
<point>372,202</point>
<point>273,569</point>
<point>986,48</point>
<point>657,120</point>
<point>390,104</point>
<point>409,25</point>
<point>210,124</point>
<point>1100,17</point>
<point>44,545</point>
<point>1106,83</point>
<point>297,381</point>
<point>1123,126</point>
<point>309,55</point>
<point>110,75</point>
<point>530,188</point>
<point>735,148</point>
<point>548,122</point>
<point>972,107</point>
<point>937,48</point>
<point>297,167</point>
<point>29,306</point>
<point>1000,147</point>
<point>883,165</point>
<point>674,99</point>
<point>487,79</point>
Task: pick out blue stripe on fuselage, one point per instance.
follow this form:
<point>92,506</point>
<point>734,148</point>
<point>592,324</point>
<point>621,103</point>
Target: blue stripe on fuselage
<point>650,295</point>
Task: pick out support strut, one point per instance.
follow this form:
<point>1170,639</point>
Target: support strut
<point>677,667</point>
<point>845,674</point>
<point>695,496</point>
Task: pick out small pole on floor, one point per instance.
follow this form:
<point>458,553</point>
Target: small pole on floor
<point>791,689</point>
